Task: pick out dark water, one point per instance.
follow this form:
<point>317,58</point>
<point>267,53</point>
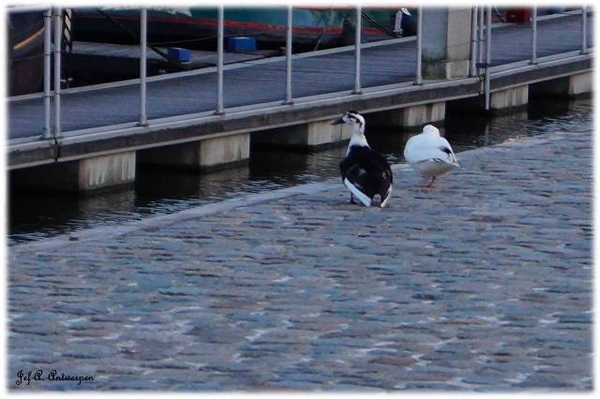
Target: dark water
<point>34,217</point>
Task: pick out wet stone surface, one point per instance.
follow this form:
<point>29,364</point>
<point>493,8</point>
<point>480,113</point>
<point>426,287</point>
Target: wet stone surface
<point>481,284</point>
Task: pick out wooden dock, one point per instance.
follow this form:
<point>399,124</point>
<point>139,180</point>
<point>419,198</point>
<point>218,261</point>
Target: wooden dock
<point>93,63</point>
<point>181,107</point>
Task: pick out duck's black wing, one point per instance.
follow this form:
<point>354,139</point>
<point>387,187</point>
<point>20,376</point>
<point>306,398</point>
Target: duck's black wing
<point>368,171</point>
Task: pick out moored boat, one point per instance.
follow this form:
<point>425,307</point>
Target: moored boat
<point>196,27</point>
<point>25,67</point>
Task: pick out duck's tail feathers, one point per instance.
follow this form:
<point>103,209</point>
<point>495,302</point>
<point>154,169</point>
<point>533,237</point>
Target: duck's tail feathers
<point>365,200</point>
<point>388,195</point>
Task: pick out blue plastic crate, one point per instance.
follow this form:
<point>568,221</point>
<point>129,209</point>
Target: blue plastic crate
<point>180,54</point>
<point>241,44</point>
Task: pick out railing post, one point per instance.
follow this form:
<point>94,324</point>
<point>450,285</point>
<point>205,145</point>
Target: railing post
<point>288,57</point>
<point>584,29</point>
<point>57,69</point>
<point>480,36</point>
<point>220,45</point>
<point>488,55</point>
<point>47,133</point>
<point>473,60</point>
<point>419,73</point>
<point>534,35</point>
<point>357,45</point>
<point>143,56</point>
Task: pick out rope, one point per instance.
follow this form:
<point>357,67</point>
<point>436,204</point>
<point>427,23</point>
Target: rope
<point>377,24</point>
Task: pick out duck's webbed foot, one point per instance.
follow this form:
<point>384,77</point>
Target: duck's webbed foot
<point>430,184</point>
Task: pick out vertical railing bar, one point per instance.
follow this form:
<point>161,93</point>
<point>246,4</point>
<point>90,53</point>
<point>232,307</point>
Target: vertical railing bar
<point>57,69</point>
<point>47,132</point>
<point>473,60</point>
<point>534,35</point>
<point>143,72</point>
<point>488,55</point>
<point>419,74</point>
<point>584,29</point>
<point>288,57</point>
<point>480,36</point>
<point>357,46</point>
<point>220,45</point>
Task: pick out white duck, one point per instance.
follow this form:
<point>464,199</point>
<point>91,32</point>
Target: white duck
<point>365,172</point>
<point>430,154</point>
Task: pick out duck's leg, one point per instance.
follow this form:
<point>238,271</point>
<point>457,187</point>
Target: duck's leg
<point>430,184</point>
<point>352,199</point>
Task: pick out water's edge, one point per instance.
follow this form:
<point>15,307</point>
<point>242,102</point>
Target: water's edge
<point>163,193</point>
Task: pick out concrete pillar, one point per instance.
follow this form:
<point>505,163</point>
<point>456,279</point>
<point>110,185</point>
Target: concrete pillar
<point>214,153</point>
<point>411,117</point>
<point>224,151</point>
<point>106,171</point>
<point>307,136</point>
<point>581,83</point>
<point>509,99</point>
<point>82,176</point>
<point>446,42</point>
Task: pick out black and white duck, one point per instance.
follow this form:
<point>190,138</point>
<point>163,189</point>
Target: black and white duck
<point>365,172</point>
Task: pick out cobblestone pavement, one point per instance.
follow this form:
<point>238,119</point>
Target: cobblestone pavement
<point>481,284</point>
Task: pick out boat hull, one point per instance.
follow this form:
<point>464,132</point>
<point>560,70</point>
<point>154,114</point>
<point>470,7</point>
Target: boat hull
<point>197,27</point>
<point>25,52</point>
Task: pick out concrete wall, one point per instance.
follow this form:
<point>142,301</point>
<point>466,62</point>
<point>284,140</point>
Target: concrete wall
<point>446,42</point>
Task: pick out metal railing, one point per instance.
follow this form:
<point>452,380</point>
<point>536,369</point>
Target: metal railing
<point>534,36</point>
<point>57,69</point>
<point>288,57</point>
<point>488,55</point>
<point>220,49</point>
<point>357,46</point>
<point>480,60</point>
<point>419,75</point>
<point>584,47</point>
<point>143,71</point>
<point>47,130</point>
